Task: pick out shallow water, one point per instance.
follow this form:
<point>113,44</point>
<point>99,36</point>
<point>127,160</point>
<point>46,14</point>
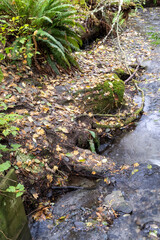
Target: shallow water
<point>143,143</point>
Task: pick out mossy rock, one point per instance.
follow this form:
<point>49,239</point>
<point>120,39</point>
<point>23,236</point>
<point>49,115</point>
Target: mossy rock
<point>121,73</point>
<point>105,96</point>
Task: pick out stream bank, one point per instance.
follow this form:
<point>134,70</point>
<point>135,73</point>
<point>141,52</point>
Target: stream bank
<point>125,203</point>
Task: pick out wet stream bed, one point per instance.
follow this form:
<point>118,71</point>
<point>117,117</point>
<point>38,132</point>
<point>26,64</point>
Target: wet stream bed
<point>126,203</point>
<point>143,143</point>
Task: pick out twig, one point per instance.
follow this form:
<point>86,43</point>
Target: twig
<point>5,235</point>
<point>133,74</point>
<point>36,210</point>
<point>53,171</point>
<point>116,21</point>
<point>119,43</point>
<point>96,115</point>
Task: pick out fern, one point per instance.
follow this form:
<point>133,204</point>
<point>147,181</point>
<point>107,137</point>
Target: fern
<point>52,23</point>
<point>52,64</point>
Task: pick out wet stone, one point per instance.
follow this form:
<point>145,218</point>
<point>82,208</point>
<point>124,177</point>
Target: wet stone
<point>79,225</point>
<point>117,202</point>
<point>124,208</point>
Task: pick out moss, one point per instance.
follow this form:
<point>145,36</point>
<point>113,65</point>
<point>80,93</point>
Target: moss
<point>13,221</point>
<point>121,73</point>
<point>106,96</point>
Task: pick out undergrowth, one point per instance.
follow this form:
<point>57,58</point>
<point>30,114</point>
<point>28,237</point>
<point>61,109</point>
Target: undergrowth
<point>40,31</point>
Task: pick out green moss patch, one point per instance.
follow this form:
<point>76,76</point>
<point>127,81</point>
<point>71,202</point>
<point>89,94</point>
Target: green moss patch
<point>106,96</point>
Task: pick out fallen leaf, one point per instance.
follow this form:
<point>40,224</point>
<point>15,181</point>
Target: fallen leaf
<point>58,148</point>
<point>136,164</point>
<point>89,224</point>
<point>75,152</point>
<point>35,195</point>
<point>49,178</point>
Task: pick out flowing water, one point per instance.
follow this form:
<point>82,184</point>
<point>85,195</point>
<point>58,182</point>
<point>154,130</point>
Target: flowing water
<point>143,143</point>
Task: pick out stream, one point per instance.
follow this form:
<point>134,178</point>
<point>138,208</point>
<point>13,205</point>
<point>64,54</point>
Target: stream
<point>142,144</point>
<point>128,208</point>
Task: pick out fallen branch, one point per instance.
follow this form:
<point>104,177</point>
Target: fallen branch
<point>133,74</point>
<point>5,235</point>
<point>96,115</point>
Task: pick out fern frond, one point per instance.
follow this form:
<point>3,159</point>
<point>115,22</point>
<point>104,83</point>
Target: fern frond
<point>29,50</point>
<point>56,51</point>
<point>7,7</point>
<point>62,8</point>
<point>72,60</point>
<point>42,33</point>
<point>52,64</point>
<point>42,20</point>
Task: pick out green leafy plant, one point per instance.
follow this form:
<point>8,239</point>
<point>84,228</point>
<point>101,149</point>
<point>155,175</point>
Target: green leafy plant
<point>155,36</point>
<point>93,142</point>
<point>40,29</point>
<point>19,189</point>
<point>5,130</point>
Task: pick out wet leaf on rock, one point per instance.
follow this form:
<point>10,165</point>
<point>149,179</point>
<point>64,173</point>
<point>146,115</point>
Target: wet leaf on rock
<point>69,155</point>
<point>149,166</point>
<point>136,164</point>
<point>134,171</point>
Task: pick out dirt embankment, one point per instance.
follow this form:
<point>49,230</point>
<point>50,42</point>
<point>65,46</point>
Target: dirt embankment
<point>56,133</point>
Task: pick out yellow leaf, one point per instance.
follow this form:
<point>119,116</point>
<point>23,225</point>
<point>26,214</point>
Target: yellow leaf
<point>58,148</point>
<point>35,135</point>
<point>40,131</point>
<point>99,164</point>
<point>82,160</point>
<point>136,164</point>
<point>125,167</point>
<point>75,152</point>
<point>49,178</point>
<point>28,162</point>
<point>19,163</point>
<point>106,180</point>
<point>134,171</point>
<point>35,33</point>
<point>90,114</point>
<point>62,218</point>
<point>35,195</point>
<point>93,172</point>
<point>89,224</point>
<point>55,168</point>
<point>24,61</point>
<point>63,129</point>
<point>45,109</point>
